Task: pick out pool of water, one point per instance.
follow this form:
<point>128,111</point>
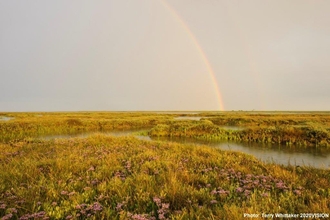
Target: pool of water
<point>5,118</point>
<point>281,154</point>
<point>278,154</point>
<point>194,118</point>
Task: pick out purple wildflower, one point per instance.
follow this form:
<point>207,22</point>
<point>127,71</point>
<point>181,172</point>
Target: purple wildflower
<point>95,182</point>
<point>161,216</point>
<point>12,197</point>
<point>268,187</point>
<point>157,200</point>
<point>213,201</point>
<point>97,207</point>
<point>165,205</point>
<point>39,214</point>
<point>12,210</point>
<point>8,216</point>
<point>280,185</point>
<point>239,190</point>
<point>297,192</point>
<point>64,192</point>
<point>119,207</point>
<point>81,206</point>
<point>26,217</point>
<point>265,195</point>
<point>120,175</point>
<point>140,217</point>
<point>247,192</point>
<point>249,176</point>
<point>223,192</point>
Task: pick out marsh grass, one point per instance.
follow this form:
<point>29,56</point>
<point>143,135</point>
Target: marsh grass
<point>102,177</point>
<point>26,125</point>
<point>300,130</point>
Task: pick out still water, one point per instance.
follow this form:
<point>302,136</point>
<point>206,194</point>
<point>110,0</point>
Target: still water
<point>4,118</point>
<point>284,155</point>
<point>193,118</point>
<point>279,154</point>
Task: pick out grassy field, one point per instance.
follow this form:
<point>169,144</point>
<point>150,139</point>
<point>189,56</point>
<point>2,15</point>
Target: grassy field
<point>104,177</point>
<point>302,130</point>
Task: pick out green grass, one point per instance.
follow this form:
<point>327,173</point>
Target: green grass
<point>104,177</point>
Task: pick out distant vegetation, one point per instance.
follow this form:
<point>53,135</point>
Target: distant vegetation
<point>27,125</point>
<point>104,177</point>
<point>305,130</point>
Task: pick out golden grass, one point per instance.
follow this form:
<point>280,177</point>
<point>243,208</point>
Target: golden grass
<point>104,177</point>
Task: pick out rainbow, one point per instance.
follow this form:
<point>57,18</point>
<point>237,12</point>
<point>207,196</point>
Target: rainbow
<point>200,50</point>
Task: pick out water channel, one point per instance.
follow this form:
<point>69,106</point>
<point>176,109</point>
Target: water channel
<point>268,153</point>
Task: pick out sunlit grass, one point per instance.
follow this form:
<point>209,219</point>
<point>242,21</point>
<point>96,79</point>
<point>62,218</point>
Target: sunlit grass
<point>307,130</point>
<point>104,177</point>
<point>113,178</point>
<point>301,130</point>
<point>25,125</point>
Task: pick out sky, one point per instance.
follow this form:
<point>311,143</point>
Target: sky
<point>159,55</point>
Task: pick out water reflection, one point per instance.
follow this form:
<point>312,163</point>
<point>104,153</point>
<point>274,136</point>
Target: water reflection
<point>4,118</point>
<point>193,118</point>
<point>284,155</point>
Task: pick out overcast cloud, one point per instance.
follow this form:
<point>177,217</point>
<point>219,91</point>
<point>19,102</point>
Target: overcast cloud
<point>138,55</point>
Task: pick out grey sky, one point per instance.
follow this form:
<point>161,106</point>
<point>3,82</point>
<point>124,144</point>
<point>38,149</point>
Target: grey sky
<point>138,55</point>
